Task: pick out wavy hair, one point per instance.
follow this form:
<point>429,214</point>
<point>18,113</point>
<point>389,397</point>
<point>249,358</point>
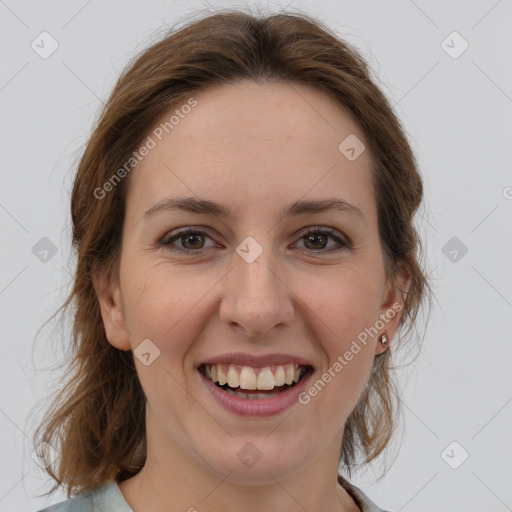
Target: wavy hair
<point>96,423</point>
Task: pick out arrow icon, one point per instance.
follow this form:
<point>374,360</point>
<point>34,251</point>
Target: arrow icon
<point>454,455</point>
<point>249,455</point>
<point>351,147</point>
<point>249,253</point>
<point>147,352</point>
<point>44,45</point>
<point>44,250</point>
<point>454,45</point>
<point>454,249</point>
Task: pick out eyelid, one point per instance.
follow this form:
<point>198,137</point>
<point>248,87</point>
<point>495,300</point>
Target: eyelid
<point>179,232</point>
<point>339,238</point>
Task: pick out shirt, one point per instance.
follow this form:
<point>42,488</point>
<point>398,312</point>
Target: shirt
<point>108,498</point>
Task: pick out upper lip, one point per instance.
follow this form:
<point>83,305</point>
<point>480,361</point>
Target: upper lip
<point>253,361</point>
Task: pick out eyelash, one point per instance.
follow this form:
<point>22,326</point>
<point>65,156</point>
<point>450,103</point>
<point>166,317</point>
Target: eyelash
<point>190,231</point>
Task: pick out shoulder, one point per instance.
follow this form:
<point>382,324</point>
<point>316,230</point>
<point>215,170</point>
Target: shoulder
<point>363,502</point>
<point>107,498</point>
<point>82,503</point>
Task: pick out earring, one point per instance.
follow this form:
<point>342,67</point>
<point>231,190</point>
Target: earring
<point>115,335</point>
<point>384,340</point>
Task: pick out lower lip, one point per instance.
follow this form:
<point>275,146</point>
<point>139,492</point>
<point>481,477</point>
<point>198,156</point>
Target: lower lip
<point>258,407</point>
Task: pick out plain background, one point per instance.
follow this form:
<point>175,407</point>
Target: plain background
<point>457,111</point>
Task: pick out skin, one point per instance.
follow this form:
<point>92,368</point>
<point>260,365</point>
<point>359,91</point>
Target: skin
<point>254,148</point>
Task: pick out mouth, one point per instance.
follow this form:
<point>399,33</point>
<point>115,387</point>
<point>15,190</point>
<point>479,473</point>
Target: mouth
<point>255,383</point>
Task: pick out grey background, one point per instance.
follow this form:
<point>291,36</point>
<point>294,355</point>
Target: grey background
<point>458,115</point>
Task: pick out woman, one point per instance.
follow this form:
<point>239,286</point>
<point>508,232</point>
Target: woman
<point>247,261</point>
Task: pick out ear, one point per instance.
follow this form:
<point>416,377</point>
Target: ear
<point>393,304</point>
<point>112,309</point>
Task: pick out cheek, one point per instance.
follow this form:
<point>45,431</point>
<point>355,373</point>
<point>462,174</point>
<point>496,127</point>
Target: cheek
<point>167,309</point>
<point>349,353</point>
<point>345,309</point>
<point>346,302</point>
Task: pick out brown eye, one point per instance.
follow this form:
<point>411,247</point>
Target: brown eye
<point>318,239</point>
<point>190,240</point>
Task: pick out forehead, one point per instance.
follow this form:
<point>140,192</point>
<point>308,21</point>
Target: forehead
<point>251,143</point>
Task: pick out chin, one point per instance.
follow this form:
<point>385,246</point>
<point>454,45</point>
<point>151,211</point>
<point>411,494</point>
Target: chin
<point>255,460</point>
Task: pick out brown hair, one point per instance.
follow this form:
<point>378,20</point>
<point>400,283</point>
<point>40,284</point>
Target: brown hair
<point>97,421</point>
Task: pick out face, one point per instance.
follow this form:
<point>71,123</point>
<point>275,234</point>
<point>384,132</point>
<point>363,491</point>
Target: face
<point>260,277</point>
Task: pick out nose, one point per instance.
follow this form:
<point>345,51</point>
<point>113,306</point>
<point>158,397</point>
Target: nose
<point>256,298</point>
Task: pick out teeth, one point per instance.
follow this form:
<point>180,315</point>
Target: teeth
<point>280,376</point>
<point>248,378</point>
<point>222,376</point>
<point>290,373</point>
<point>265,379</point>
<point>233,377</point>
<point>253,396</point>
<point>245,377</point>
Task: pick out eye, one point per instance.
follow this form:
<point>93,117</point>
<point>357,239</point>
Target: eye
<point>316,239</point>
<point>191,240</point>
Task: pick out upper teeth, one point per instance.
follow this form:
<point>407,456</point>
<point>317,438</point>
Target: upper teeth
<point>246,377</point>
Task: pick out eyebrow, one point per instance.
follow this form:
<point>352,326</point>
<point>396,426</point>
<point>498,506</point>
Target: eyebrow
<point>207,207</point>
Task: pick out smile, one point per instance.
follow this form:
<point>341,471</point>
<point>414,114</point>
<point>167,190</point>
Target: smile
<point>235,378</point>
<point>253,389</point>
